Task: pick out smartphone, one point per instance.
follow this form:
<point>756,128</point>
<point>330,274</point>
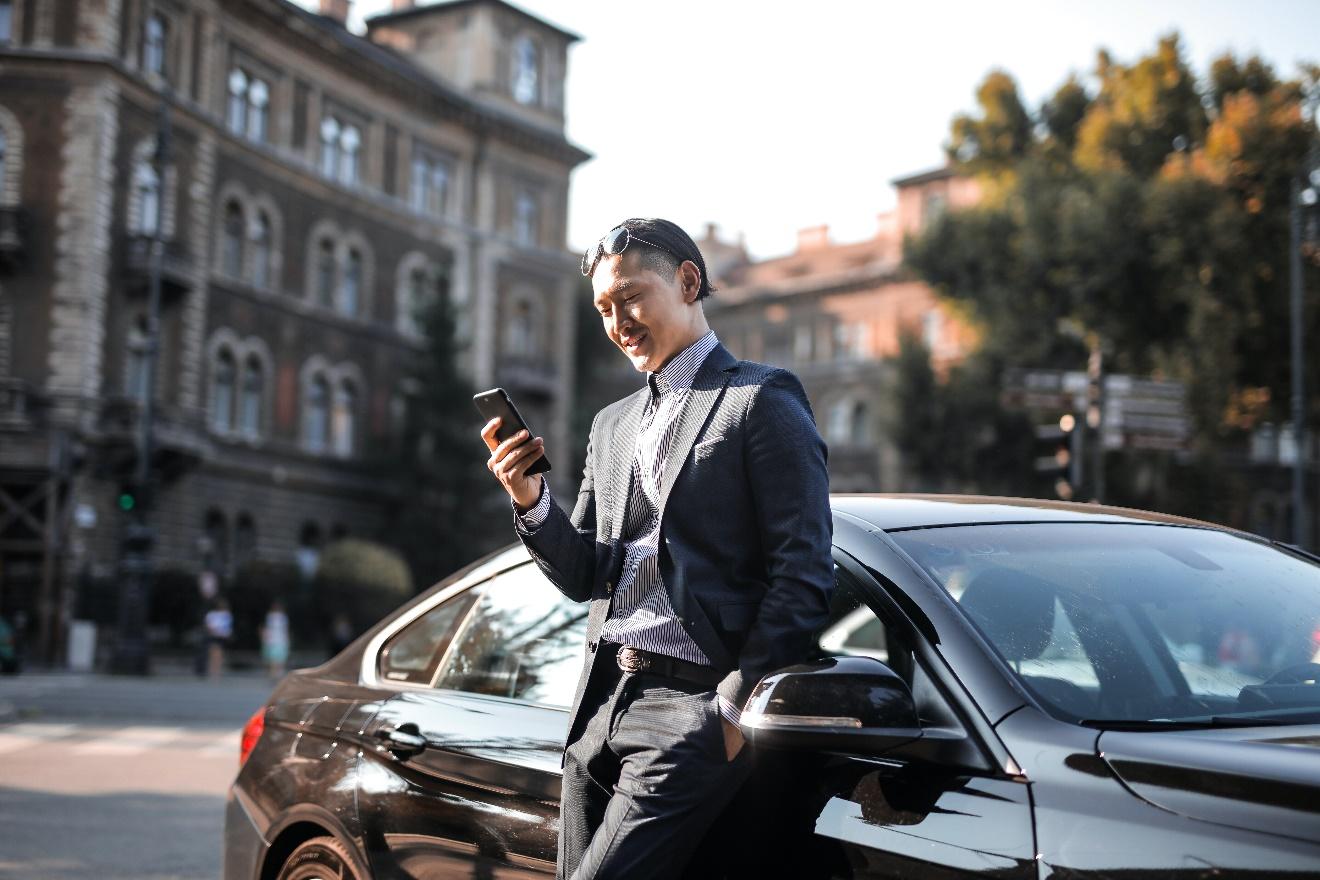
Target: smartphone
<point>496,402</point>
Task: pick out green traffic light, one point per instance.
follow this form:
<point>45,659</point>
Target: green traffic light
<point>126,501</point>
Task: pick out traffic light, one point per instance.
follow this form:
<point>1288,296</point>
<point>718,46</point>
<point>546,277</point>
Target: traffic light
<point>1060,454</point>
<point>128,498</point>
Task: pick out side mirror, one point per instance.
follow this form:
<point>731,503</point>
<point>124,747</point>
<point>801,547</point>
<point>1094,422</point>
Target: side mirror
<point>850,704</point>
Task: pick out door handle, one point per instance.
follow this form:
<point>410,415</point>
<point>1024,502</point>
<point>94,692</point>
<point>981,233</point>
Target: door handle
<point>403,741</point>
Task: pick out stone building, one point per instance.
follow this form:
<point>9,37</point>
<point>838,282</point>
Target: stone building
<point>833,313</point>
<point>320,185</point>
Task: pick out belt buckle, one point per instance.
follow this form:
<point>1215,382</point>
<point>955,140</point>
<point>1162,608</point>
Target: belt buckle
<point>631,660</point>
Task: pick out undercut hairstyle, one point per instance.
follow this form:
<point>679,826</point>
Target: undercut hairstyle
<point>673,247</point>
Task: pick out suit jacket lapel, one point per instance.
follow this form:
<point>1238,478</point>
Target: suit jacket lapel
<point>623,447</point>
<point>707,386</point>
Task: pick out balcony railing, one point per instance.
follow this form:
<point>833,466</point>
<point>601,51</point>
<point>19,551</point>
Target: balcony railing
<point>19,404</point>
<point>177,445</point>
<point>175,265</point>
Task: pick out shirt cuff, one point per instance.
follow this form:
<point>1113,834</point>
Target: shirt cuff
<point>730,711</point>
<point>534,518</point>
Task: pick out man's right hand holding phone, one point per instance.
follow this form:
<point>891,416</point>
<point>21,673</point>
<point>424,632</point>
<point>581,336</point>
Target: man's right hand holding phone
<point>509,462</point>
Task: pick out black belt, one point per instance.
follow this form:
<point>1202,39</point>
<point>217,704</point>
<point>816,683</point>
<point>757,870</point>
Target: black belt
<point>635,660</point>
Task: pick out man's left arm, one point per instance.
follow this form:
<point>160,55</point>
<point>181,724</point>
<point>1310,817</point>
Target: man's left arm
<point>785,460</point>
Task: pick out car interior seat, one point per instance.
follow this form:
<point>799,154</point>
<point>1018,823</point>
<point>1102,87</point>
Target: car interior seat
<point>1016,613</point>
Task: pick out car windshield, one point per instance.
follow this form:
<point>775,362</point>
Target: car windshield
<point>1115,624</point>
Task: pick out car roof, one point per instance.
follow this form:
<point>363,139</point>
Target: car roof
<point>889,512</point>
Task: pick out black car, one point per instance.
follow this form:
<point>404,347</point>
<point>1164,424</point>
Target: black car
<point>1007,688</point>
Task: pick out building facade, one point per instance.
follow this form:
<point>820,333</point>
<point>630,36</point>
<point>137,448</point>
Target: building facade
<point>319,187</point>
<point>834,314</point>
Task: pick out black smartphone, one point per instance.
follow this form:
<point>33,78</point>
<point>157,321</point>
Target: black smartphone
<point>496,402</point>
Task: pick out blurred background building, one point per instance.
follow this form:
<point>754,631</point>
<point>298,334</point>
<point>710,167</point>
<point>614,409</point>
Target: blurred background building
<point>319,188</point>
<point>834,314</point>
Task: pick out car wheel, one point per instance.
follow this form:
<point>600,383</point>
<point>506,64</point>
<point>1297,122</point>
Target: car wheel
<point>321,858</point>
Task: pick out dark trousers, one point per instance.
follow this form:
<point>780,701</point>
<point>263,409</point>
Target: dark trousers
<point>645,780</point>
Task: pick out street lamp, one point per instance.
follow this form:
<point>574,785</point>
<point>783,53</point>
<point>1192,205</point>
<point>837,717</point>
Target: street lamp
<point>132,655</point>
<point>1305,192</point>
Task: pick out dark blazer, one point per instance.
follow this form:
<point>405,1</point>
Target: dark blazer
<point>745,526</point>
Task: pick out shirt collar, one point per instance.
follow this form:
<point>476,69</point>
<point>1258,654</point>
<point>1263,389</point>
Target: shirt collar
<point>678,374</point>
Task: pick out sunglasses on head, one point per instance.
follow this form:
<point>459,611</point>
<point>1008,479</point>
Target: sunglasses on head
<point>615,242</point>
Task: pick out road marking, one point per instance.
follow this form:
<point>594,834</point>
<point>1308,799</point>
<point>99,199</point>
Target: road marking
<point>128,741</point>
<point>20,736</point>
<point>224,744</point>
<point>97,739</point>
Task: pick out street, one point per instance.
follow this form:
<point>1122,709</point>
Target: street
<point>118,777</point>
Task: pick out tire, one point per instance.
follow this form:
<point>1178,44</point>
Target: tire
<point>321,858</point>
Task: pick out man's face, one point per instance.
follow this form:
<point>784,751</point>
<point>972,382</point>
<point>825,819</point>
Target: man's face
<point>648,315</point>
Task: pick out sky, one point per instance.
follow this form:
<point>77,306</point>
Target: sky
<point>769,118</point>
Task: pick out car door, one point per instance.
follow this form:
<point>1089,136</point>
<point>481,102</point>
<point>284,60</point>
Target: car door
<point>819,815</point>
<point>464,779</point>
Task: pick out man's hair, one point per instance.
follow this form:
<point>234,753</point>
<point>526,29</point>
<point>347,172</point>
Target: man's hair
<point>673,246</point>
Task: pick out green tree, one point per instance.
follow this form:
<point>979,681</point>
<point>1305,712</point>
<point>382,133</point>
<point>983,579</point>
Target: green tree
<point>361,579</point>
<point>951,430</point>
<point>1163,230</point>
<point>450,509</point>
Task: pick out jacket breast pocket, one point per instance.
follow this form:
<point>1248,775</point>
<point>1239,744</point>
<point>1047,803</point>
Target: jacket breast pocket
<point>735,616</point>
<point>706,448</point>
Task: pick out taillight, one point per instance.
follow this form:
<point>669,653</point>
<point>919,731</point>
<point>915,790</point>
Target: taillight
<point>251,733</point>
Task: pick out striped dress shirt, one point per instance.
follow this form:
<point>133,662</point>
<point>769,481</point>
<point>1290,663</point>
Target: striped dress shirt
<point>642,615</point>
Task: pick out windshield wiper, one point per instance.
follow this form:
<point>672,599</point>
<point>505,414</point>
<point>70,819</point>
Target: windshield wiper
<point>1178,723</point>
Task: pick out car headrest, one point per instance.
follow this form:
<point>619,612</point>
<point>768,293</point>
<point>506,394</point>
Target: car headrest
<point>1015,610</point>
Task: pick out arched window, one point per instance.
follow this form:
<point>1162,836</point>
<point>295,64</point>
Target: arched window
<point>860,427</point>
<point>245,539</point>
<point>417,296</point>
<point>231,253</point>
<point>316,414</point>
<point>258,104</point>
<point>526,71</point>
<point>351,292</point>
<point>217,539</point>
<point>350,143</point>
<point>135,375</point>
<point>526,218</point>
<point>153,45</point>
<point>261,251</point>
<point>222,391</point>
<point>325,272</point>
<point>146,192</point>
<point>839,422</point>
<point>308,553</point>
<point>238,98</point>
<point>520,336</point>
<point>342,426</point>
<point>249,407</point>
<point>329,146</point>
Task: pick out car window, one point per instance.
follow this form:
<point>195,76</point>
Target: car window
<point>856,630</point>
<point>523,640</point>
<point>414,652</point>
<point>1114,622</point>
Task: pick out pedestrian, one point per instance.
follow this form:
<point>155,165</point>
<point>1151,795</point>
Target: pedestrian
<point>219,629</point>
<point>701,536</point>
<point>275,640</point>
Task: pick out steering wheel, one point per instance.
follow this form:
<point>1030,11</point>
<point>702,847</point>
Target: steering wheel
<point>1295,674</point>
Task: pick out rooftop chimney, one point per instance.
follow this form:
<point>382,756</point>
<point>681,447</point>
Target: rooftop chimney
<point>813,238</point>
<point>336,9</point>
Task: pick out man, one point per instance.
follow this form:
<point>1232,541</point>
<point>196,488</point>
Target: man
<point>701,536</point>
